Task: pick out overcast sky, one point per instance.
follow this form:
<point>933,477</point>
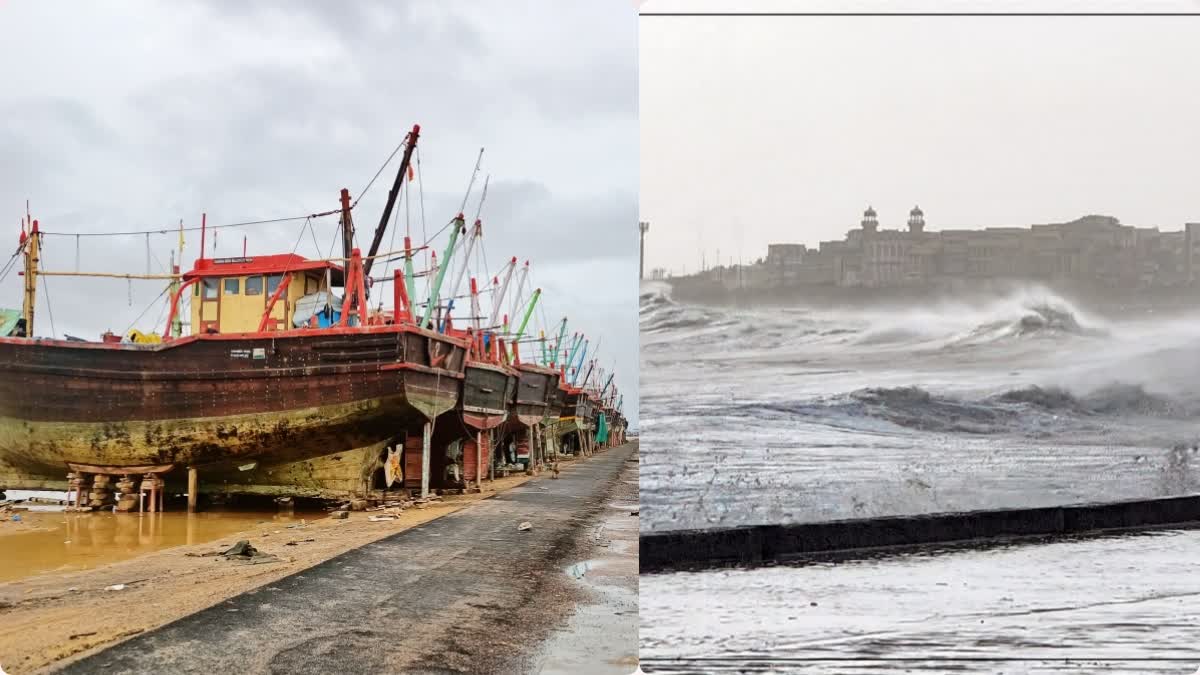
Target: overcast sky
<point>784,129</point>
<point>131,115</point>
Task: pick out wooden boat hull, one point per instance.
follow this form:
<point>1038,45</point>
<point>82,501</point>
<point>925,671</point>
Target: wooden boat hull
<point>487,396</point>
<point>209,399</point>
<point>534,389</point>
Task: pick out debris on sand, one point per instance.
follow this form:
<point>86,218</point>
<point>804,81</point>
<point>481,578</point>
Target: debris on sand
<point>299,541</point>
<point>339,515</point>
<point>240,552</point>
<point>115,587</point>
<point>525,526</point>
<point>381,519</point>
<point>244,552</point>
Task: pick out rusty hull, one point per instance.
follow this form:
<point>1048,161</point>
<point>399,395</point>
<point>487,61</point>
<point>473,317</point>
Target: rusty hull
<point>211,399</point>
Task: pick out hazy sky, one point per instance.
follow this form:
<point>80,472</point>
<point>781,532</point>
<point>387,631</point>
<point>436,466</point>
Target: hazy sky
<point>131,115</point>
<point>758,130</point>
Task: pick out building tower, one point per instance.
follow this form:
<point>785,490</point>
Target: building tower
<point>643,227</point>
<point>916,220</point>
<point>870,223</point>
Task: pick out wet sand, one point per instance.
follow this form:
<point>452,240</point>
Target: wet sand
<point>55,617</point>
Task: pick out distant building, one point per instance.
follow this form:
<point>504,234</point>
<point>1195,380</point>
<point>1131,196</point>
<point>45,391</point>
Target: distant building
<point>1096,249</point>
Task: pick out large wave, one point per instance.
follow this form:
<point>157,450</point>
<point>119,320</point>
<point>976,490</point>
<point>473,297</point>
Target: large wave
<point>1021,314</point>
<point>1027,411</point>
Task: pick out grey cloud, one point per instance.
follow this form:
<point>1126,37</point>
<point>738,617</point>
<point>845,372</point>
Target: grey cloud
<point>276,127</point>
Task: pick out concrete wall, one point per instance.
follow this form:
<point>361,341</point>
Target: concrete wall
<point>695,549</point>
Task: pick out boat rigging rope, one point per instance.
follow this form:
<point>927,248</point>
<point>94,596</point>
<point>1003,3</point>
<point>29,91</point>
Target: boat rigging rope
<point>381,168</point>
<point>421,201</point>
<point>49,310</point>
<point>471,184</point>
<point>9,265</point>
<point>175,230</point>
<point>160,295</point>
<point>387,263</point>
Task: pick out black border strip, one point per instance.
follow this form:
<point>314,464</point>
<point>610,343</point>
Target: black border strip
<point>755,545</point>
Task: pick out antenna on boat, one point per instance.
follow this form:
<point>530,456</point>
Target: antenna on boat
<point>203,232</point>
<point>391,203</point>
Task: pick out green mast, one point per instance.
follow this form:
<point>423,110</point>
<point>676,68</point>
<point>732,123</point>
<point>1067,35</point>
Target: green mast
<point>409,276</point>
<point>437,282</point>
<point>574,350</point>
<point>528,313</point>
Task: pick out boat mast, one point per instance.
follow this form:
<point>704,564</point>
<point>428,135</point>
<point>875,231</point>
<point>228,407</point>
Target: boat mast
<point>391,203</point>
<point>498,300</point>
<point>175,327</point>
<point>347,230</point>
<point>441,273</point>
<point>562,333</point>
<point>528,313</point>
<point>476,233</point>
<point>475,304</point>
<point>579,367</point>
<point>32,254</point>
<point>410,278</point>
<point>574,350</point>
<point>516,300</point>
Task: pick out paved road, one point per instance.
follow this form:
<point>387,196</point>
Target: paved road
<point>464,593</point>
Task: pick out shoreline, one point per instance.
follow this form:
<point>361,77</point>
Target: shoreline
<point>52,619</point>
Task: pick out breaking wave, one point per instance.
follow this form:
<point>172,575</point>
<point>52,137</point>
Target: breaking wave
<point>1022,314</point>
<point>1031,411</point>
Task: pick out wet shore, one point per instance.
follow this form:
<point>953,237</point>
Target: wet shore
<point>470,592</point>
<point>60,608</point>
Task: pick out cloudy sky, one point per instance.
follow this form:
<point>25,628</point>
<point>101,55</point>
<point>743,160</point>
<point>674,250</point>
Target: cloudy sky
<point>131,115</point>
<point>759,130</point>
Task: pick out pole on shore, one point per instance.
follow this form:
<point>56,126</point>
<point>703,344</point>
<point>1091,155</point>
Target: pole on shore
<point>193,488</point>
<point>425,441</point>
<point>479,460</point>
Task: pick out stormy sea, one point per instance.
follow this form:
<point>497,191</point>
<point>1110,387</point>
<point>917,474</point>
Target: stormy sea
<point>1025,398</point>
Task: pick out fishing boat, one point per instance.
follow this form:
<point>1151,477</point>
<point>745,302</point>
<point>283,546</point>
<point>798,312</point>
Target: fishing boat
<point>281,386</point>
<point>274,370</point>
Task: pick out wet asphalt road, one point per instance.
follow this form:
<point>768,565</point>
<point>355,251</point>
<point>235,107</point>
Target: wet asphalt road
<point>467,592</point>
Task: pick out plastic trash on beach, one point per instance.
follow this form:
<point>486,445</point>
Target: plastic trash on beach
<point>525,526</point>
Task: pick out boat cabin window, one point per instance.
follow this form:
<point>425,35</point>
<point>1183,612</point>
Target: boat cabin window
<point>254,285</point>
<point>273,283</point>
<point>233,286</point>
<point>210,288</point>
<point>311,285</point>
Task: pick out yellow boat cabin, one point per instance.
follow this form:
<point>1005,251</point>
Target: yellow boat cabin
<point>232,295</point>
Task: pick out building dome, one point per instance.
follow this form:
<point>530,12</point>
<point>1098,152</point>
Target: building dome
<point>870,212</point>
<point>916,211</point>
